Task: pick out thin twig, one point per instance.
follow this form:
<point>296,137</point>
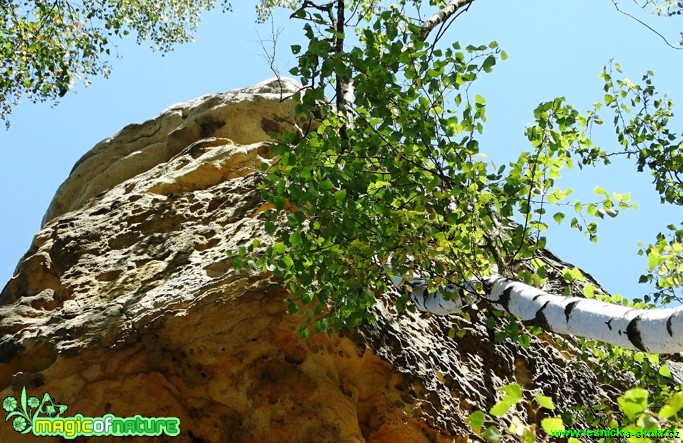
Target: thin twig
<point>616,5</point>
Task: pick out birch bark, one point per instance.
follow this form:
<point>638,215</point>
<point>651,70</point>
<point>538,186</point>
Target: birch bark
<point>651,330</point>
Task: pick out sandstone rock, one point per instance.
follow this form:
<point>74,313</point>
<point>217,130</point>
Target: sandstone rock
<point>244,116</point>
<point>126,303</point>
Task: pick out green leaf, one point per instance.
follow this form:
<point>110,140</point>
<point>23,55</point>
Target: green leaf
<point>672,406</point>
<point>340,196</point>
<point>488,64</point>
<point>633,402</point>
<point>500,408</point>
<point>647,421</point>
<point>544,401</point>
<point>513,391</point>
<point>326,185</point>
<point>280,202</point>
<point>287,260</point>
<point>597,190</point>
<point>573,274</point>
<point>552,424</point>
<point>591,209</point>
<point>664,371</point>
<point>653,359</point>
<point>558,217</point>
<point>279,248</point>
<point>492,434</point>
<point>476,420</point>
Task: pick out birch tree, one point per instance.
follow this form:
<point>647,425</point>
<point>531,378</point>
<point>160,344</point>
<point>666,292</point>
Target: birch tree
<point>385,190</point>
<point>395,170</point>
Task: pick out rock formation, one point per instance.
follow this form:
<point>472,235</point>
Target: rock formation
<point>126,304</point>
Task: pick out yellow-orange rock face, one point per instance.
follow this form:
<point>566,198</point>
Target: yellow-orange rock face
<point>126,304</point>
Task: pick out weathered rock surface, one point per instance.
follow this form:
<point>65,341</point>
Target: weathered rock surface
<point>126,303</point>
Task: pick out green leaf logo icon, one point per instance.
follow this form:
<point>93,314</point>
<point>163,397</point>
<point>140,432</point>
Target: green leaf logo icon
<point>51,408</point>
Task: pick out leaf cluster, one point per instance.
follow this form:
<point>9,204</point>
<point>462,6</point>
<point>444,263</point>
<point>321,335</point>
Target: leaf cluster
<point>46,46</point>
<point>637,414</point>
<point>399,181</point>
<point>401,173</point>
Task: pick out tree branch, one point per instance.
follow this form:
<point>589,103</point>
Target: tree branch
<point>342,83</point>
<point>451,8</point>
<point>616,6</point>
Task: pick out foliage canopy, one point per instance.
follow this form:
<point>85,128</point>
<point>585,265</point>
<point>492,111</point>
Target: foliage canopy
<point>397,171</point>
<point>46,46</point>
<point>390,167</point>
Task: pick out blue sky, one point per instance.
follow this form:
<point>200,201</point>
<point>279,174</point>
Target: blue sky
<point>555,48</point>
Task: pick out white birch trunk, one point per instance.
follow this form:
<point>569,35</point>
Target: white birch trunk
<point>651,330</point>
